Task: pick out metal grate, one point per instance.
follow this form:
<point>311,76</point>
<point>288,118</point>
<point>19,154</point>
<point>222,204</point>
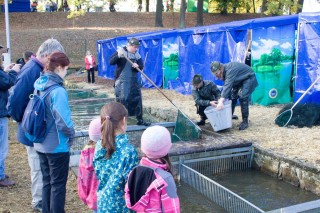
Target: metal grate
<point>224,161</point>
<point>217,193</point>
<point>195,171</point>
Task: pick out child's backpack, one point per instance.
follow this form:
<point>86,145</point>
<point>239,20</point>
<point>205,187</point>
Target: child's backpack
<point>34,122</point>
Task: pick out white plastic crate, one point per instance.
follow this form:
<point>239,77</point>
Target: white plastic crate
<point>222,119</point>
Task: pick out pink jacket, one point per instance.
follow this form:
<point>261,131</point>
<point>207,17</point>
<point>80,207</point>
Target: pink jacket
<point>86,61</point>
<point>87,180</point>
<point>150,188</point>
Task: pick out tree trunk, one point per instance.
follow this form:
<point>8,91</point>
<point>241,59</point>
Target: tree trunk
<point>280,8</point>
<point>200,13</point>
<point>299,5</point>
<point>183,7</point>
<point>254,6</point>
<point>147,5</point>
<point>158,22</point>
<point>263,7</point>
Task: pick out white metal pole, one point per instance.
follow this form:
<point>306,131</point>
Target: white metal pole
<point>7,28</point>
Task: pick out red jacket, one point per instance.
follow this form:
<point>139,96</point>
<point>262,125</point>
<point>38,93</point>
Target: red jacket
<point>86,61</point>
<point>87,180</point>
<point>151,189</point>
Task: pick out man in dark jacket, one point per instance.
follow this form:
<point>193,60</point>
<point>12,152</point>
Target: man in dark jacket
<point>17,103</point>
<point>127,87</point>
<point>239,83</point>
<point>205,93</point>
<point>6,81</point>
<point>26,57</point>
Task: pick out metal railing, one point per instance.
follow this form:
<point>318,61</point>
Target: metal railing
<point>195,172</point>
<point>134,132</point>
<point>217,193</point>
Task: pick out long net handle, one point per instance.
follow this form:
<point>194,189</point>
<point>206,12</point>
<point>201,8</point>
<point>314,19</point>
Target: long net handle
<point>304,94</point>
<point>144,75</point>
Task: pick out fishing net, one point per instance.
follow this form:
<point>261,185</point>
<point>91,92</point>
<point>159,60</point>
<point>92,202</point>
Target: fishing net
<point>185,129</point>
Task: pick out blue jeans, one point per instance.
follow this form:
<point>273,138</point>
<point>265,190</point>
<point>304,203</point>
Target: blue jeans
<point>3,144</point>
<point>54,168</point>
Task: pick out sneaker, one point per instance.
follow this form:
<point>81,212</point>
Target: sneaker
<point>38,207</point>
<point>201,123</point>
<point>141,122</point>
<point>6,182</point>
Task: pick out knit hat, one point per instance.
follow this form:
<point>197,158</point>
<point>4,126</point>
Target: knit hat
<point>95,129</point>
<point>215,66</point>
<point>156,142</point>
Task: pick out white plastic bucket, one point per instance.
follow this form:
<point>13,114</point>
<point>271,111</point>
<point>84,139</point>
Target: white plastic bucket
<point>219,120</point>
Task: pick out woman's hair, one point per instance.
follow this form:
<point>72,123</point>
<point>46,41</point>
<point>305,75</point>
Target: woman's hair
<point>55,60</point>
<point>112,115</point>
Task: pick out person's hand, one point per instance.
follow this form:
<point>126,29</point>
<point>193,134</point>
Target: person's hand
<point>214,103</point>
<point>135,65</point>
<point>121,52</point>
<point>14,67</point>
<point>220,105</point>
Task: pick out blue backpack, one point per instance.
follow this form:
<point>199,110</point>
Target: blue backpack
<point>34,122</point>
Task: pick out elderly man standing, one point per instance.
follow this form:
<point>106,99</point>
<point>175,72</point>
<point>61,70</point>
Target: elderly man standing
<point>239,83</point>
<point>205,93</point>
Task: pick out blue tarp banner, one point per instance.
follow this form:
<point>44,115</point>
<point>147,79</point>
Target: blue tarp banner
<point>272,61</point>
<point>172,57</point>
<point>18,6</point>
<point>105,49</point>
<point>170,61</point>
<point>308,58</point>
<point>151,53</point>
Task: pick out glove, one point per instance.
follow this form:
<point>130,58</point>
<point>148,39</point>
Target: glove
<point>121,52</point>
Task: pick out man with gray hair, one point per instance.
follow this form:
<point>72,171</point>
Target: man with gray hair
<point>17,103</point>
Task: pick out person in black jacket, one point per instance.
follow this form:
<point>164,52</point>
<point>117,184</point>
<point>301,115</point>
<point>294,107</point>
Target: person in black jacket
<point>239,83</point>
<point>205,93</point>
<point>26,57</point>
<point>7,79</point>
<point>127,87</point>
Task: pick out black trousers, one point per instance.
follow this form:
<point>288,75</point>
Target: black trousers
<point>91,75</point>
<point>54,169</point>
<point>200,111</point>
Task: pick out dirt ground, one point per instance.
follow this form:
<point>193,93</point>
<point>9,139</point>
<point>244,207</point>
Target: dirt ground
<point>298,144</point>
